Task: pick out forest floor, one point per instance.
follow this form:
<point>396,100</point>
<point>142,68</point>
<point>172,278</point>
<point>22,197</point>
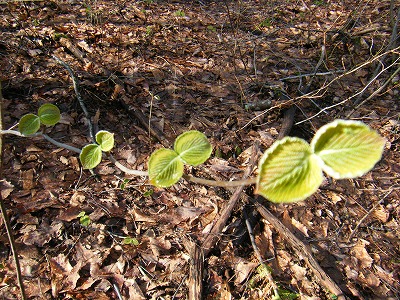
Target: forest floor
<point>150,70</point>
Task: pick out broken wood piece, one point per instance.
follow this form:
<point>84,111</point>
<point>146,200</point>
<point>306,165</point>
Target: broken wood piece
<point>301,249</point>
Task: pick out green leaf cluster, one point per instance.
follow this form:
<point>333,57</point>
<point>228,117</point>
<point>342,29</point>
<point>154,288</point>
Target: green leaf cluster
<point>291,170</point>
<point>91,154</point>
<point>166,166</point>
<point>84,219</point>
<point>48,115</point>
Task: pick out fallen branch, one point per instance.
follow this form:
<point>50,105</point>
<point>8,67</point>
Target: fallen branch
<point>300,248</point>
<point>258,255</point>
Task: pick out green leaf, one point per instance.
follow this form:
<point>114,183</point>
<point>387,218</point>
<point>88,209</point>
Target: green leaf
<point>347,149</point>
<point>193,147</point>
<point>130,241</point>
<point>288,171</point>
<point>165,167</point>
<point>29,124</point>
<point>90,156</point>
<point>49,114</point>
<point>85,220</point>
<point>105,139</point>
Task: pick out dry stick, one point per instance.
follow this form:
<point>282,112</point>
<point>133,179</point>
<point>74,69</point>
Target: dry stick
<point>381,88</point>
<point>198,253</point>
<point>367,214</point>
<point>155,131</point>
<point>390,46</point>
<point>213,236</point>
<point>259,257</point>
<point>317,93</point>
<point>4,212</point>
<point>196,269</point>
<point>75,83</point>
<point>301,249</point>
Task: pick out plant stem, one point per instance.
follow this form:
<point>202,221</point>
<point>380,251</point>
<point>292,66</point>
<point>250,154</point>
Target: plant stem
<point>77,150</point>
<point>125,169</point>
<point>4,213</point>
<point>247,181</point>
<point>46,137</point>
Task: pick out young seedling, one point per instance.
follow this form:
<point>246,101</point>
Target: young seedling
<point>290,170</point>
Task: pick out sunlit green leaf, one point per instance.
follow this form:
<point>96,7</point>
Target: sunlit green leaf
<point>165,167</point>
<point>105,139</point>
<point>347,148</point>
<point>288,171</point>
<point>29,124</point>
<point>130,241</point>
<point>90,156</point>
<point>49,114</point>
<point>84,220</point>
<point>193,147</point>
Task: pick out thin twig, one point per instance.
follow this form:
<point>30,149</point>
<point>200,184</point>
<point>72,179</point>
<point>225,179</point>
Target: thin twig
<point>213,236</point>
<point>319,93</point>
<point>258,254</point>
<point>366,215</point>
<point>75,83</point>
<point>348,98</point>
<point>4,212</point>
<point>381,88</point>
<point>302,250</point>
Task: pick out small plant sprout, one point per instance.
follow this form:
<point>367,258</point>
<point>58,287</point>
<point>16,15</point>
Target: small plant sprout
<point>84,219</point>
<point>180,13</point>
<point>130,241</point>
<point>48,115</point>
<point>91,154</point>
<point>166,166</point>
<point>290,170</point>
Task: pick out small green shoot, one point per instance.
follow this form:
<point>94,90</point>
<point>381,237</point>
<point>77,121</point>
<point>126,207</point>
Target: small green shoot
<point>319,2</point>
<point>84,219</point>
<point>105,140</point>
<point>92,154</point>
<point>148,193</point>
<point>179,13</point>
<point>124,183</point>
<point>166,166</point>
<point>267,22</point>
<point>130,241</point>
<point>48,114</point>
<point>285,294</point>
<point>29,124</point>
<point>212,28</point>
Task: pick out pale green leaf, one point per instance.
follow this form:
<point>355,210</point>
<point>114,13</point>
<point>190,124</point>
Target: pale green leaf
<point>347,149</point>
<point>29,124</point>
<point>85,220</point>
<point>130,241</point>
<point>288,171</point>
<point>49,114</point>
<point>90,156</point>
<point>165,167</point>
<point>105,139</point>
<point>193,147</point>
